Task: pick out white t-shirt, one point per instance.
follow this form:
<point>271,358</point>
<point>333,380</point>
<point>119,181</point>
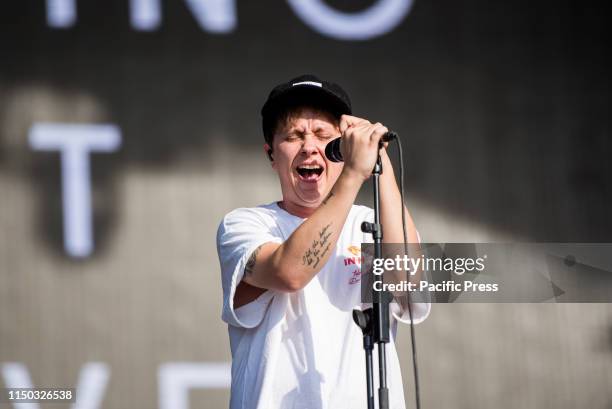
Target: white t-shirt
<point>301,349</point>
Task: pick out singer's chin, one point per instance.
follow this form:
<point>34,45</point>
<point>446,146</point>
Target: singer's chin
<point>312,189</point>
<point>310,193</point>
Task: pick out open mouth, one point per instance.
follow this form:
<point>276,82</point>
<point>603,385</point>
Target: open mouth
<point>309,173</point>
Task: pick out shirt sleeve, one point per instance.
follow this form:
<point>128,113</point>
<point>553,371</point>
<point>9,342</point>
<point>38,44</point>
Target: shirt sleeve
<point>420,311</point>
<point>239,234</point>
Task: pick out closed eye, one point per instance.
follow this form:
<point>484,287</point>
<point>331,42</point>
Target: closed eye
<point>325,135</point>
<point>292,137</point>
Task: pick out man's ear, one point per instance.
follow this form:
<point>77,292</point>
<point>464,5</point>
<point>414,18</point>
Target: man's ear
<point>268,150</point>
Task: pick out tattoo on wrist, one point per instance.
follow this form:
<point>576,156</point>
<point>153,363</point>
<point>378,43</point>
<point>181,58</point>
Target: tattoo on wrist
<point>250,264</point>
<point>318,249</point>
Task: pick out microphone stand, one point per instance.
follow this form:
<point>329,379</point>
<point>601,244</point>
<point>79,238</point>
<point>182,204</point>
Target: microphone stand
<point>374,322</point>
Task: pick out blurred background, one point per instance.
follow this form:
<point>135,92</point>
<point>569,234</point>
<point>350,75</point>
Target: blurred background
<point>128,128</point>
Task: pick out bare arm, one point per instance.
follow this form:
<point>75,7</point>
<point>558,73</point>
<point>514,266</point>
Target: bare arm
<point>391,207</point>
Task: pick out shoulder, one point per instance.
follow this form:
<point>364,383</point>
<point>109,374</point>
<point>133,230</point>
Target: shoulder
<point>263,216</point>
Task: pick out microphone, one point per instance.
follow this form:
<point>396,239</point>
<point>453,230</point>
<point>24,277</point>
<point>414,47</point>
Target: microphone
<point>332,149</point>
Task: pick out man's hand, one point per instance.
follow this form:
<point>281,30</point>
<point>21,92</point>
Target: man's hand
<point>360,145</point>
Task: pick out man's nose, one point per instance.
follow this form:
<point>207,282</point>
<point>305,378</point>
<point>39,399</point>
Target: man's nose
<point>309,146</point>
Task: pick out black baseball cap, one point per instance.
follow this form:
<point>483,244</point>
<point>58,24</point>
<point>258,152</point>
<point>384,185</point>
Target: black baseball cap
<point>303,90</point>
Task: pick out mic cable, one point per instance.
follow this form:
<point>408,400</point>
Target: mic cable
<point>417,393</point>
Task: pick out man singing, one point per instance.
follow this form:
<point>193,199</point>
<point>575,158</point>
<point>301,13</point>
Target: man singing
<point>291,269</point>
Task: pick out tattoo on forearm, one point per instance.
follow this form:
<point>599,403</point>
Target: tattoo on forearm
<point>250,265</point>
<point>319,248</point>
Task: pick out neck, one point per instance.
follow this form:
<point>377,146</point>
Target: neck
<point>297,210</point>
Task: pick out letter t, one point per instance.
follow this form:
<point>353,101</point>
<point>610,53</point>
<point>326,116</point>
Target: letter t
<point>75,142</point>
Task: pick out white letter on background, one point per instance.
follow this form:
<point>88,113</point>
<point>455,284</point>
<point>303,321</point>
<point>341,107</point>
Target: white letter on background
<point>375,21</point>
<point>75,142</point>
<point>61,13</point>
<point>216,16</point>
<point>145,15</point>
<point>176,378</point>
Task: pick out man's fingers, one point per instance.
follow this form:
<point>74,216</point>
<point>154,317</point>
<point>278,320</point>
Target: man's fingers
<point>362,131</point>
<point>347,121</point>
<point>357,130</point>
<point>378,131</point>
<point>366,132</point>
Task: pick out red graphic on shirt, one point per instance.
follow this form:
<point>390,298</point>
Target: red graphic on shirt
<point>356,277</point>
<point>355,259</point>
